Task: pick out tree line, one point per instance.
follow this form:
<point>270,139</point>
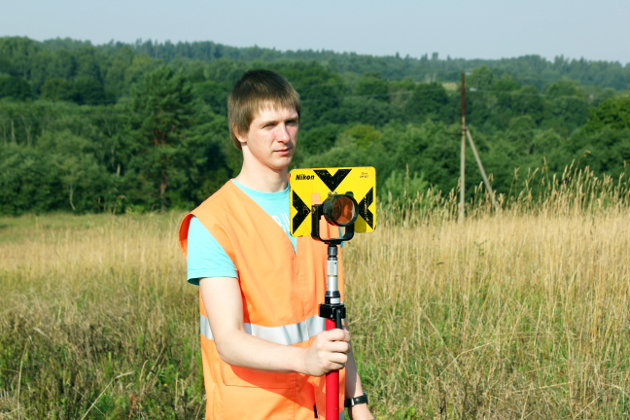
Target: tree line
<point>143,127</point>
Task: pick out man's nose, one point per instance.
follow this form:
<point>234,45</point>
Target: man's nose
<point>283,133</point>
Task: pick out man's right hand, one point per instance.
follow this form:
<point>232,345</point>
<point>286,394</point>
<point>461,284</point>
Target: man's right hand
<point>328,352</point>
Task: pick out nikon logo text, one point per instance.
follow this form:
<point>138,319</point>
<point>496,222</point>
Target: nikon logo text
<point>304,177</point>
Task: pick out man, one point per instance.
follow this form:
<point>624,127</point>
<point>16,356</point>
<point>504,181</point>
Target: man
<point>264,349</point>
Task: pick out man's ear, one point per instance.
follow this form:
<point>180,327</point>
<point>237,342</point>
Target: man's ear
<point>241,138</point>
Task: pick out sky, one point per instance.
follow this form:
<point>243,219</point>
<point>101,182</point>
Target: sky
<point>489,29</point>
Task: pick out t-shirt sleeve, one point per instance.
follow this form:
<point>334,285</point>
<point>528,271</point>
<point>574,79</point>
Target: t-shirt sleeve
<point>206,257</point>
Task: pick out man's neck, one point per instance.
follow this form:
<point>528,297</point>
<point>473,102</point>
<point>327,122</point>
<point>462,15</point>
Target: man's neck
<point>264,181</point>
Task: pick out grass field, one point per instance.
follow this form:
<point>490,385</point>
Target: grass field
<point>524,315</point>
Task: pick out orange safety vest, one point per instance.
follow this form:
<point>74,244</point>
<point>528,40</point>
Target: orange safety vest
<point>281,292</point>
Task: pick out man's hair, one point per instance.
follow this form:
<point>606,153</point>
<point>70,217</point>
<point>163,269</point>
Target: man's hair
<point>255,90</point>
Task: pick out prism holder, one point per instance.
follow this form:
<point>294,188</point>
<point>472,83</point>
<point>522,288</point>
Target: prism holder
<point>310,187</point>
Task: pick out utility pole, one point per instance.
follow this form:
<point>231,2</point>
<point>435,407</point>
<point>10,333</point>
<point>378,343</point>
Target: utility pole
<point>462,183</point>
<point>466,133</point>
<point>483,173</point>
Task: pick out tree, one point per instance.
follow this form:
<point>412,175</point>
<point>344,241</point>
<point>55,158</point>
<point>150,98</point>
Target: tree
<point>160,115</point>
<point>115,77</point>
<point>565,88</point>
<point>548,144</point>
<point>63,65</point>
<point>82,180</point>
<point>371,85</point>
<point>27,181</point>
<point>427,149</point>
<point>521,134</point>
<point>481,78</point>
<point>24,120</point>
<point>565,113</point>
<point>361,135</point>
<point>90,63</point>
<point>613,113</point>
<point>428,99</point>
<point>401,185</point>
<point>39,68</point>
<point>14,87</point>
<point>528,101</point>
<point>318,140</point>
<point>503,89</point>
<point>214,94</point>
<point>89,91</point>
<point>364,111</point>
<point>19,52</point>
<point>141,66</point>
<point>57,89</point>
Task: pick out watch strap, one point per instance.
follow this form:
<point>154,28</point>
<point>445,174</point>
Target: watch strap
<point>351,402</point>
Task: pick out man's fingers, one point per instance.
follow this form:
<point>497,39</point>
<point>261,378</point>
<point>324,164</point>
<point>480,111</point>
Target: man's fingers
<point>336,335</point>
<point>340,358</point>
<point>338,347</point>
<point>336,366</point>
<point>337,361</point>
<point>335,342</point>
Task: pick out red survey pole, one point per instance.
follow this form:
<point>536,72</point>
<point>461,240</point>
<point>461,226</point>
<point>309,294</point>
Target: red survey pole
<point>332,386</point>
<point>334,312</point>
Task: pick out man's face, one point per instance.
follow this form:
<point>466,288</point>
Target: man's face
<point>272,136</point>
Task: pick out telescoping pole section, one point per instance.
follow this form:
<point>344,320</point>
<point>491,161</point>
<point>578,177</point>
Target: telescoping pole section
<point>334,312</point>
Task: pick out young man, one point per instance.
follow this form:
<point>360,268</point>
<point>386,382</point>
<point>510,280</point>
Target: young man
<point>264,348</point>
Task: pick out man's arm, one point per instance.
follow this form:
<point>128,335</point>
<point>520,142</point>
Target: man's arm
<point>222,299</point>
<point>354,389</point>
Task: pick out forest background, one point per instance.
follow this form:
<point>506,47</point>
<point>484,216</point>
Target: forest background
<point>142,127</point>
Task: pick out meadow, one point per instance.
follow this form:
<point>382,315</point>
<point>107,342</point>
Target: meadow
<point>518,315</point>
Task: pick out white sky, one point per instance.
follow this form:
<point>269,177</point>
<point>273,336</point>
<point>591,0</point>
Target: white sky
<point>595,30</point>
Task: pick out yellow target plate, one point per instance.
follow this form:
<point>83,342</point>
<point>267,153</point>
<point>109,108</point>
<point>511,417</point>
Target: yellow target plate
<point>312,186</point>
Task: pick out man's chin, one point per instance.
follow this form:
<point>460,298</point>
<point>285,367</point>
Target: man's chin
<point>281,165</point>
<point>283,162</point>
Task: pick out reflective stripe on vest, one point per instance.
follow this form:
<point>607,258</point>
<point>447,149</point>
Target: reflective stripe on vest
<point>285,334</point>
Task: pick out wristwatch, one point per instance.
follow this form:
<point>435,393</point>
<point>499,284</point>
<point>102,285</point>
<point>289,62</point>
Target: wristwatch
<point>351,402</point>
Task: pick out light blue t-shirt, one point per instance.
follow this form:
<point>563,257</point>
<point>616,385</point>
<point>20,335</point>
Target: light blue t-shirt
<point>206,258</point>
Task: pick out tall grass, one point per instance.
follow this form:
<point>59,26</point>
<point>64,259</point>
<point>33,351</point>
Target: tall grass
<point>519,315</point>
<point>97,320</point>
<point>536,192</point>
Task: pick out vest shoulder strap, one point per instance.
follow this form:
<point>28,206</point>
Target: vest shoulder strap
<point>204,210</point>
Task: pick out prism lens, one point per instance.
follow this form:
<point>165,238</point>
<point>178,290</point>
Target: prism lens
<point>340,210</point>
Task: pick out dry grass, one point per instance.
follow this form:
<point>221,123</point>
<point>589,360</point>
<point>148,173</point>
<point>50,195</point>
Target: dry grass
<point>511,317</point>
<point>522,315</point>
<point>97,319</point>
